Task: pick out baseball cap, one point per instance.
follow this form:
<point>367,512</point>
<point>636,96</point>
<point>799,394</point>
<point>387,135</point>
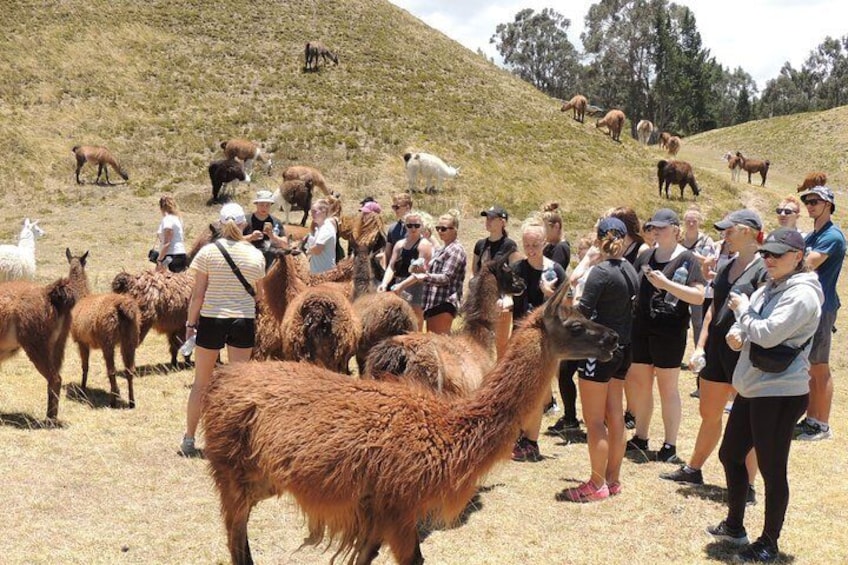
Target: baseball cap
<point>611,224</point>
<point>264,196</point>
<point>742,217</point>
<point>495,212</point>
<point>231,211</point>
<point>783,240</point>
<point>371,206</point>
<point>662,218</point>
<point>822,192</point>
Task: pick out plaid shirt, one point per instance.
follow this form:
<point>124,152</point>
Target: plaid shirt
<point>446,276</point>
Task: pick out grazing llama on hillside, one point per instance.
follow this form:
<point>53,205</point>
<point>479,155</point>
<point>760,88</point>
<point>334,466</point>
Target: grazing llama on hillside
<point>577,105</point>
<point>673,145</point>
<point>37,319</point>
<point>103,321</point>
<point>456,363</point>
<point>100,156</point>
<point>644,129</point>
<point>677,172</point>
<point>430,168</point>
<point>614,122</point>
<point>367,461</point>
<point>248,152</point>
<point>314,50</point>
<point>223,172</point>
<point>17,262</point>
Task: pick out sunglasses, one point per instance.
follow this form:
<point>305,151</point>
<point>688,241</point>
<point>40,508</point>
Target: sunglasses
<point>413,226</point>
<point>443,228</point>
<point>784,211</point>
<point>397,207</point>
<point>770,255</point>
<point>812,202</point>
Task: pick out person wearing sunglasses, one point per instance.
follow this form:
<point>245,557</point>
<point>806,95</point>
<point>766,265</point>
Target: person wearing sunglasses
<point>826,251</point>
<point>412,254</point>
<point>783,315</point>
<point>442,283</point>
<point>788,212</point>
<point>401,205</point>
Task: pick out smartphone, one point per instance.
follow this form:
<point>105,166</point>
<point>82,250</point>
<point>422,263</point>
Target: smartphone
<point>267,227</point>
<point>646,269</point>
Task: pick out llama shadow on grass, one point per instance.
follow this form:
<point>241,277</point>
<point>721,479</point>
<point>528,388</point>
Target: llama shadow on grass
<point>725,552</point>
<point>96,398</point>
<point>639,456</point>
<point>713,493</point>
<point>568,437</point>
<point>23,421</point>
<point>160,369</point>
<point>474,505</point>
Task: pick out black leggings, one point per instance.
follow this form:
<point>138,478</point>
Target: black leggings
<point>568,390</point>
<point>765,424</point>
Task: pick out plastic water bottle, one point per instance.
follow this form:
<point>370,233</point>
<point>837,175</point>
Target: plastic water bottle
<point>549,275</point>
<point>187,347</point>
<point>680,276</point>
<point>698,361</point>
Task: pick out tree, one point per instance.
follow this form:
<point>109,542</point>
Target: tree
<point>536,48</point>
<point>742,113</point>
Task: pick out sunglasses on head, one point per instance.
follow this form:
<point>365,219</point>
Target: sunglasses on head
<point>784,211</point>
<point>812,202</point>
<point>396,206</point>
<point>443,228</point>
<point>770,255</point>
<point>413,226</point>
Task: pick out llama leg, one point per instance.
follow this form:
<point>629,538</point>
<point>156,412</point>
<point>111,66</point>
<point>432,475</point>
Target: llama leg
<point>109,358</point>
<point>54,390</point>
<point>80,163</point>
<point>403,540</point>
<point>174,347</point>
<point>85,354</point>
<point>128,357</point>
<point>236,511</point>
<point>368,552</point>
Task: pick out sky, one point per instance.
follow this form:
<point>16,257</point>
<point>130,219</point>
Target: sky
<point>758,35</point>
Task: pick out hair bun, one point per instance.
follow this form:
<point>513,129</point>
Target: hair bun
<point>550,207</point>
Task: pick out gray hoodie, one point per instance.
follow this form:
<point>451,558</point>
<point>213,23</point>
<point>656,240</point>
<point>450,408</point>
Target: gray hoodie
<point>786,313</point>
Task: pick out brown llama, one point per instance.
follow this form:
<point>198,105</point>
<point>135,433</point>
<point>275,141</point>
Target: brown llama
<point>221,173</point>
<point>314,50</point>
<point>754,166</point>
<point>280,285</point>
<point>100,156</point>
<point>248,152</point>
<point>456,363</point>
<point>102,321</point>
<point>677,172</point>
<point>163,299</point>
<point>37,319</point>
<point>577,105</point>
<point>614,122</point>
<point>664,137</point>
<point>367,460</point>
<point>672,145</point>
<point>813,180</point>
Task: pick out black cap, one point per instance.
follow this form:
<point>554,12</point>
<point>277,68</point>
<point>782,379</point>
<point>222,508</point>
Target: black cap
<point>742,217</point>
<point>366,200</point>
<point>611,224</point>
<point>662,218</point>
<point>782,241</point>
<point>495,212</point>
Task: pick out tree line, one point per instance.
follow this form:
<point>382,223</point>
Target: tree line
<point>647,58</point>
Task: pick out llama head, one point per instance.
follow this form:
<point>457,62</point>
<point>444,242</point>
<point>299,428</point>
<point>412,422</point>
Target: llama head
<point>727,156</point>
<point>509,281</point>
<point>72,259</point>
<point>31,229</point>
<point>570,335</point>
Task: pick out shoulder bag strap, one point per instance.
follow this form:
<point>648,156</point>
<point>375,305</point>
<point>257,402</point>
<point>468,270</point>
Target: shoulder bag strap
<point>236,270</point>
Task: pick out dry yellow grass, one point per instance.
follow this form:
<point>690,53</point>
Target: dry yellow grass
<point>162,84</point>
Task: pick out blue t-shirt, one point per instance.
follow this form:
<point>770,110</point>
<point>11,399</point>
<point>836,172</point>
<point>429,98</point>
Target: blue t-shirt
<point>828,240</point>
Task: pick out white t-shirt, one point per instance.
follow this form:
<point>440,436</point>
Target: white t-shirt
<point>173,223</point>
<point>326,260</point>
<point>225,296</point>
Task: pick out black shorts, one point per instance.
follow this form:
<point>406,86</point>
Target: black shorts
<point>443,308</point>
<point>662,350</point>
<point>615,368</point>
<point>178,264</point>
<point>214,333</point>
<point>721,360</point>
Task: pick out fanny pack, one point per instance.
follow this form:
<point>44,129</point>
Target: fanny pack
<point>774,359</point>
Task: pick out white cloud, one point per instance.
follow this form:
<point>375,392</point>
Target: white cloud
<point>758,35</point>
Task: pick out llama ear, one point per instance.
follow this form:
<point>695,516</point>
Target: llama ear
<point>68,253</point>
<point>83,258</point>
<point>27,223</point>
<point>553,305</point>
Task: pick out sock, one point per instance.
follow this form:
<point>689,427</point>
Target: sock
<point>688,469</point>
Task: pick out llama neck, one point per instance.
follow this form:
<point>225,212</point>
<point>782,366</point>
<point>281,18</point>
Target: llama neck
<point>481,309</point>
<point>281,285</point>
<point>26,242</point>
<point>362,275</point>
<point>78,281</point>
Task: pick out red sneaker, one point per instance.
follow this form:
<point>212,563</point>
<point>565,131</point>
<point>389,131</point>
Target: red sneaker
<point>614,488</point>
<point>525,450</point>
<point>586,492</point>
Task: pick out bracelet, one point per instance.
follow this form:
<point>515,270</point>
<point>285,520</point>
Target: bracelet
<point>192,326</point>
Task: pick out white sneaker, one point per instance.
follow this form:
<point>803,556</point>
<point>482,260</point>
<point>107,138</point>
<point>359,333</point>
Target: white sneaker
<point>814,432</point>
<point>553,408</point>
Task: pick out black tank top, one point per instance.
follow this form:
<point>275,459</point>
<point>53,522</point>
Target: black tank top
<point>403,262</point>
<point>632,252</point>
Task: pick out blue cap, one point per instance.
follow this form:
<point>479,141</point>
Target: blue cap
<point>611,224</point>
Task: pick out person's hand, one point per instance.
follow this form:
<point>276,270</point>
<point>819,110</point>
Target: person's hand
<point>190,332</point>
<point>256,235</point>
<point>422,277</point>
<point>381,288</point>
<point>657,278</point>
<point>737,301</point>
<point>547,287</point>
<point>734,340</point>
<point>697,359</point>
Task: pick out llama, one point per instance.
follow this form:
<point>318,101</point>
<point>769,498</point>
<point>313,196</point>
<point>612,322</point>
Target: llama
<point>734,164</point>
<point>17,262</point>
<point>366,460</point>
<point>431,168</point>
<point>677,172</point>
<point>577,105</point>
<point>295,195</point>
<point>663,140</point>
<point>102,321</point>
<point>163,299</point>
<point>614,122</point>
<point>248,152</point>
<point>644,129</point>
<point>37,319</point>
<point>315,49</point>
<point>754,166</point>
<point>100,156</point>
<point>224,171</point>
<point>456,363</point>
<point>279,287</point>
<point>813,180</point>
<point>672,145</point>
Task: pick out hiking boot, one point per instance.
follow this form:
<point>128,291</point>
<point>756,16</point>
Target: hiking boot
<point>761,551</point>
<point>586,492</point>
<point>813,431</point>
<point>187,447</point>
<point>526,450</point>
<point>751,497</point>
<point>551,407</point>
<point>636,444</point>
<point>684,474</point>
<point>668,454</point>
<point>723,532</point>
<point>564,425</point>
<point>629,420</point>
<point>614,488</point>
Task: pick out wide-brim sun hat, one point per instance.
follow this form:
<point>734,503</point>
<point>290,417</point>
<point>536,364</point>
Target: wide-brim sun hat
<point>822,192</point>
<point>264,196</point>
